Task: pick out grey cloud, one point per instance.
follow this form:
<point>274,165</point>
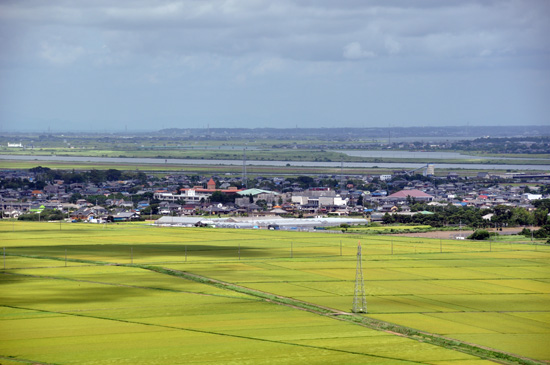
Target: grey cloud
<point>306,30</point>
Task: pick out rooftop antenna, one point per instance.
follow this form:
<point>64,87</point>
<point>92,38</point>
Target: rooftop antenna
<point>359,299</point>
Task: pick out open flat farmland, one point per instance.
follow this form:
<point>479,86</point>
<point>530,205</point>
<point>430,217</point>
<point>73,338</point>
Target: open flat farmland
<point>78,293</point>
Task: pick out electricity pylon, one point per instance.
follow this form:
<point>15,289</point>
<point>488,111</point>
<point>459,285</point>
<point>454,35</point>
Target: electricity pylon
<point>359,299</point>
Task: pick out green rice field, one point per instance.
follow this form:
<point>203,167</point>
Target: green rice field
<point>83,293</point>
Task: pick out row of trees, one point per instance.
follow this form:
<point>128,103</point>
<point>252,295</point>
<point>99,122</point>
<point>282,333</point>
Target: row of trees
<point>45,174</point>
<point>541,233</point>
<point>503,216</point>
<point>45,215</point>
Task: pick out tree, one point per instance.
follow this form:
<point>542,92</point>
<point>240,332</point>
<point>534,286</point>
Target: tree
<point>502,214</point>
<point>521,217</point>
<point>141,177</point>
<point>542,203</point>
<point>113,174</point>
<point>388,219</point>
<point>97,199</point>
<point>96,176</point>
<point>306,181</point>
<point>262,203</point>
<point>541,216</point>
<point>219,197</point>
<point>74,197</point>
<point>479,234</point>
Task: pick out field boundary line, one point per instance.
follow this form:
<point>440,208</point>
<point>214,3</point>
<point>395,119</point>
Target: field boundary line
<point>24,361</point>
<point>124,285</point>
<point>420,336</point>
<point>203,332</point>
<point>392,328</point>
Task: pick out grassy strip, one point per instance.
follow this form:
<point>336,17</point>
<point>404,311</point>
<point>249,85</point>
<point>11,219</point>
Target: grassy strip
<point>190,168</point>
<point>264,154</point>
<point>240,289</point>
<point>213,169</point>
<point>464,347</point>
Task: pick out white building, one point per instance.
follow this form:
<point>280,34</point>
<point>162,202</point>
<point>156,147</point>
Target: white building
<point>529,196</point>
<point>188,196</point>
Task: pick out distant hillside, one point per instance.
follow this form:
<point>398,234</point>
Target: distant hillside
<point>363,133</point>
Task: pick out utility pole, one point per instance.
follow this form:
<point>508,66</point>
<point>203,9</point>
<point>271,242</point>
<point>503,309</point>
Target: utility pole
<point>359,299</point>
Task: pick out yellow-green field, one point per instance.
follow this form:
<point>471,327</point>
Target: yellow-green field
<point>79,293</point>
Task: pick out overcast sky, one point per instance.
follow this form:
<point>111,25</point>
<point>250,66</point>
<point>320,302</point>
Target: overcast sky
<point>142,64</point>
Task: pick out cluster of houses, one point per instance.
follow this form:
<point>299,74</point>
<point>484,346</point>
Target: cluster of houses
<point>183,195</point>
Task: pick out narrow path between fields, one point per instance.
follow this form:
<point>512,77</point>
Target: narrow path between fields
<point>421,336</point>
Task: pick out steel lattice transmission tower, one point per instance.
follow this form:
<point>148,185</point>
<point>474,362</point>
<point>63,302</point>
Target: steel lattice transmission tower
<point>359,299</point>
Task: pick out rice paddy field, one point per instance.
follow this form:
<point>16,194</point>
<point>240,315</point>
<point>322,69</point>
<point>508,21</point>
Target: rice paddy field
<point>81,293</point>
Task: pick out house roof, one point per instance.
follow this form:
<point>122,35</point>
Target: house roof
<point>413,193</point>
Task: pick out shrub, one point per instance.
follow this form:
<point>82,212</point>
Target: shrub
<point>525,232</point>
<point>479,234</point>
<point>540,233</point>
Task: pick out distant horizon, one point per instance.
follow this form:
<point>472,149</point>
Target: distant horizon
<point>128,129</point>
<point>123,131</point>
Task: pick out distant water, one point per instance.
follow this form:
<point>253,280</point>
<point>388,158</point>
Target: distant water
<point>179,161</point>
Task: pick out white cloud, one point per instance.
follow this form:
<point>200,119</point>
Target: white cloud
<point>268,65</point>
<point>392,46</point>
<point>354,51</point>
<point>60,54</point>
